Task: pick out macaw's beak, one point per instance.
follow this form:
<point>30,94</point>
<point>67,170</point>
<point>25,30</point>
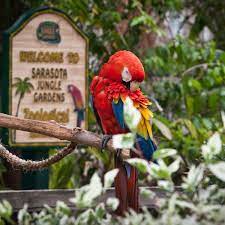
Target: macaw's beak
<point>134,85</point>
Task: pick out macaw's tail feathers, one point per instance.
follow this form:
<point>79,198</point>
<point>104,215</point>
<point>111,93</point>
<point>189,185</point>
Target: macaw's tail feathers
<point>121,188</point>
<point>132,190</point>
<point>126,187</point>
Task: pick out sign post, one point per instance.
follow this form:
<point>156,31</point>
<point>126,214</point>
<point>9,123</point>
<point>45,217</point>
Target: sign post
<point>44,76</point>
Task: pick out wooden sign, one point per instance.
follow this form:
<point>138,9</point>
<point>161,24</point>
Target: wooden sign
<point>45,73</point>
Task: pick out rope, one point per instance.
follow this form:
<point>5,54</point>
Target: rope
<point>30,165</point>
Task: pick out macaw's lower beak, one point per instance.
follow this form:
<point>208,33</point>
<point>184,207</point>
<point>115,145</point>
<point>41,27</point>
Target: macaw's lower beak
<point>134,85</point>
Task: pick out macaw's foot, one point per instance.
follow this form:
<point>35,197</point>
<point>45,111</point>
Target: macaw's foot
<point>105,140</point>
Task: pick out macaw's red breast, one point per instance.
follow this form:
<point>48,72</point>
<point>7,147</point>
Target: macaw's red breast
<point>103,105</point>
<point>104,92</point>
<point>116,91</point>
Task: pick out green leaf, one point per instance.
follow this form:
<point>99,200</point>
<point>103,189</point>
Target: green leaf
<point>191,128</point>
<point>24,218</point>
<point>102,156</point>
<point>85,195</point>
<point>195,84</point>
<point>160,170</point>
<point>109,178</point>
<point>215,143</point>
<point>163,128</point>
<point>113,203</point>
<point>166,185</point>
<point>223,118</point>
<point>163,153</point>
<point>100,211</point>
<point>146,193</point>
<point>174,166</point>
<point>194,177</point>
<point>142,165</point>
<point>213,147</point>
<point>137,20</point>
<point>207,123</point>
<point>185,204</point>
<point>132,116</point>
<point>218,170</point>
<point>61,207</point>
<point>189,104</point>
<point>123,140</point>
<point>159,173</point>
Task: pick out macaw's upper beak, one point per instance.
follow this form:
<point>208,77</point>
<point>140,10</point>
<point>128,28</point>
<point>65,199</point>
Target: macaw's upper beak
<point>134,85</point>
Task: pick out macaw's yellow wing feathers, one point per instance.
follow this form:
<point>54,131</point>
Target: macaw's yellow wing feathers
<point>144,128</point>
<point>149,128</point>
<point>146,113</point>
<point>141,129</point>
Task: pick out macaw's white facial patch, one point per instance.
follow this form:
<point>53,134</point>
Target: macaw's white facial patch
<point>126,76</point>
<point>134,85</point>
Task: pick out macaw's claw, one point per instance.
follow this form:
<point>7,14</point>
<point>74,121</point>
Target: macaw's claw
<point>105,140</point>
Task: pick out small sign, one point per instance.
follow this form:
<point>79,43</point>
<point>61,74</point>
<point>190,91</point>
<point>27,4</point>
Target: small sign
<point>48,31</point>
<point>46,73</point>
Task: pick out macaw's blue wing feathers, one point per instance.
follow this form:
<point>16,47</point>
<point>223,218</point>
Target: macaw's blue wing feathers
<point>146,146</point>
<point>118,112</point>
<point>143,141</point>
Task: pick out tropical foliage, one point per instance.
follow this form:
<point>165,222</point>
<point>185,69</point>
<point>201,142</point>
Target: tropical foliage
<point>200,201</point>
<point>185,80</point>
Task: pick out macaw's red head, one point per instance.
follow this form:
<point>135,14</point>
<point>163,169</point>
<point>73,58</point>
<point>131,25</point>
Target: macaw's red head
<point>124,67</point>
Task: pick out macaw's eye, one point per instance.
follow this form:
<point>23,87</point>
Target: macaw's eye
<point>126,76</point>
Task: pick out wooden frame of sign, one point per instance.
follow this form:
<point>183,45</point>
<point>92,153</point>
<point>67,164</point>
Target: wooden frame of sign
<point>45,65</point>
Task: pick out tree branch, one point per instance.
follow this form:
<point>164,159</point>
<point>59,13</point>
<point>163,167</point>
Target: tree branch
<point>51,129</point>
<point>203,65</point>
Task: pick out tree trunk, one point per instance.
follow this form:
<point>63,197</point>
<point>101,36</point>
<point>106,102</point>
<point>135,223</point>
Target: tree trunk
<point>18,105</point>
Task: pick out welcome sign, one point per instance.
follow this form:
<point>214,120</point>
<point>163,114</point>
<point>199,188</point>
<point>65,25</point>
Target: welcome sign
<point>45,73</point>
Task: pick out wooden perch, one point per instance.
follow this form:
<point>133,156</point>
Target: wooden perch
<point>51,129</point>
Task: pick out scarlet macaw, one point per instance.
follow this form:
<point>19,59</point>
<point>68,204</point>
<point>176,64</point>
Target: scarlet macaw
<point>118,79</point>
